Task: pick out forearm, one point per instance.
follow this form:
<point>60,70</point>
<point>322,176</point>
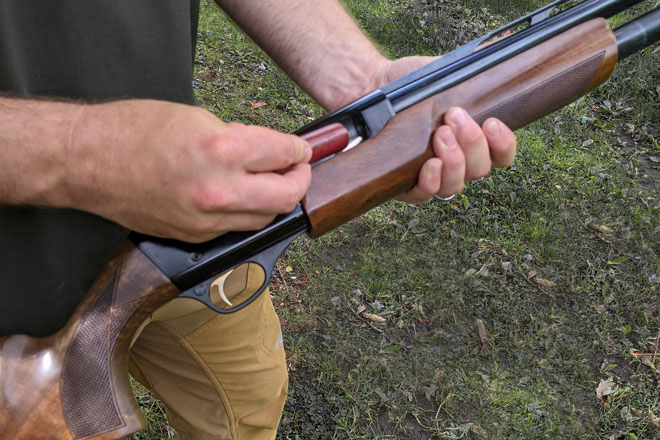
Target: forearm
<point>34,140</point>
<point>317,44</point>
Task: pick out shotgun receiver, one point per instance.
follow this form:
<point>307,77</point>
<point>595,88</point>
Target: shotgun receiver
<point>74,384</point>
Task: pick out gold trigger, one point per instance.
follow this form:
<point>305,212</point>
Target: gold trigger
<point>219,287</point>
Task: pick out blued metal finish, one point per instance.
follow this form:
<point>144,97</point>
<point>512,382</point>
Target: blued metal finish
<point>188,265</point>
<point>349,116</point>
<point>473,64</point>
<point>638,34</point>
<point>377,116</point>
<point>464,63</point>
<point>266,259</point>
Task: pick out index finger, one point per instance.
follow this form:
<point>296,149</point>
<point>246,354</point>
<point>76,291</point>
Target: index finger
<point>275,193</point>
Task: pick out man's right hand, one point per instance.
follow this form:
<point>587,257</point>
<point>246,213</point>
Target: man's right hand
<point>176,171</point>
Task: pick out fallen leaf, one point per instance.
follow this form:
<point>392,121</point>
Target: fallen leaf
<point>544,283</point>
<point>483,271</point>
<point>605,388</point>
<point>646,359</point>
<point>374,318</point>
<point>257,104</point>
<point>361,309</point>
<point>603,229</point>
<point>484,336</point>
<point>429,391</point>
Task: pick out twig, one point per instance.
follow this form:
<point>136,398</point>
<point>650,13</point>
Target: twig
<point>361,318</point>
<point>282,276</point>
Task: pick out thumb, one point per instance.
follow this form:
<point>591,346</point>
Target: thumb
<point>269,150</point>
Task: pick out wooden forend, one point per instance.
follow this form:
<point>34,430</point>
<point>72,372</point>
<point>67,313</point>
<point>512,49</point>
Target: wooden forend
<point>518,91</point>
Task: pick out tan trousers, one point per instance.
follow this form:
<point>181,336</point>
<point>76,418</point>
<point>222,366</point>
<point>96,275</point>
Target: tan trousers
<point>219,376</point>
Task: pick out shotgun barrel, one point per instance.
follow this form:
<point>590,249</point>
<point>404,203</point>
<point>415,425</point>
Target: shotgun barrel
<point>74,384</point>
<point>638,34</point>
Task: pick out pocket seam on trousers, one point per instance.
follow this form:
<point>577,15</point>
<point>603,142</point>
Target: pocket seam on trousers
<point>264,327</point>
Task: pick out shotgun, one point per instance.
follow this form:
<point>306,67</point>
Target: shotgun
<point>74,384</point>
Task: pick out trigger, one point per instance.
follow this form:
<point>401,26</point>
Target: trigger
<point>218,286</point>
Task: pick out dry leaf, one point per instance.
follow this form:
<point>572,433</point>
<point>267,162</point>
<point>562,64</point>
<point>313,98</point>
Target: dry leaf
<point>257,104</point>
<point>602,229</point>
<point>646,359</point>
<point>483,334</point>
<point>483,271</point>
<point>605,388</point>
<point>336,301</point>
<point>374,318</point>
<point>544,283</point>
<point>361,309</point>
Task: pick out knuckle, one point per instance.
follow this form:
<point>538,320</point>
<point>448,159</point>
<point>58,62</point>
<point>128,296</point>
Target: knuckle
<point>481,170</point>
<point>224,146</point>
<point>454,161</point>
<point>457,187</point>
<point>289,200</point>
<point>472,136</point>
<point>208,197</point>
<point>262,222</point>
<point>214,147</point>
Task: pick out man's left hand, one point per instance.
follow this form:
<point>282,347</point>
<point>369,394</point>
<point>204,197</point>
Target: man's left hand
<point>464,151</point>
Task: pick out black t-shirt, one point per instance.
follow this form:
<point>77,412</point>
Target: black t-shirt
<point>92,50</point>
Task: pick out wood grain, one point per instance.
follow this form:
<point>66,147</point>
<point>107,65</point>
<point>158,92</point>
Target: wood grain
<point>518,91</point>
<point>74,384</point>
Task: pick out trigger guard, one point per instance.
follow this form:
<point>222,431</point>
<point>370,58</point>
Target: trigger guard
<point>265,259</point>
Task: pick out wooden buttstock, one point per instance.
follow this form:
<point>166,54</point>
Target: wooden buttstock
<point>518,91</point>
<point>74,384</point>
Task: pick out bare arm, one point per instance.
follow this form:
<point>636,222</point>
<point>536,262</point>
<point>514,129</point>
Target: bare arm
<point>320,46</point>
<point>317,43</point>
<point>32,159</point>
<point>155,167</point>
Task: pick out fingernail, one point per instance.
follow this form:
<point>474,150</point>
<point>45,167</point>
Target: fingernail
<point>458,116</point>
<point>447,140</point>
<point>303,150</point>
<point>492,127</point>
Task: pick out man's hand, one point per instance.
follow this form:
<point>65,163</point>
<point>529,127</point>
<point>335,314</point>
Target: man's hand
<point>319,45</point>
<point>155,167</point>
<point>177,171</point>
<point>464,151</point>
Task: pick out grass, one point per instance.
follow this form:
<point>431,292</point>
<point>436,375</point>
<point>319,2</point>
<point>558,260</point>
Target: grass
<point>557,258</point>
